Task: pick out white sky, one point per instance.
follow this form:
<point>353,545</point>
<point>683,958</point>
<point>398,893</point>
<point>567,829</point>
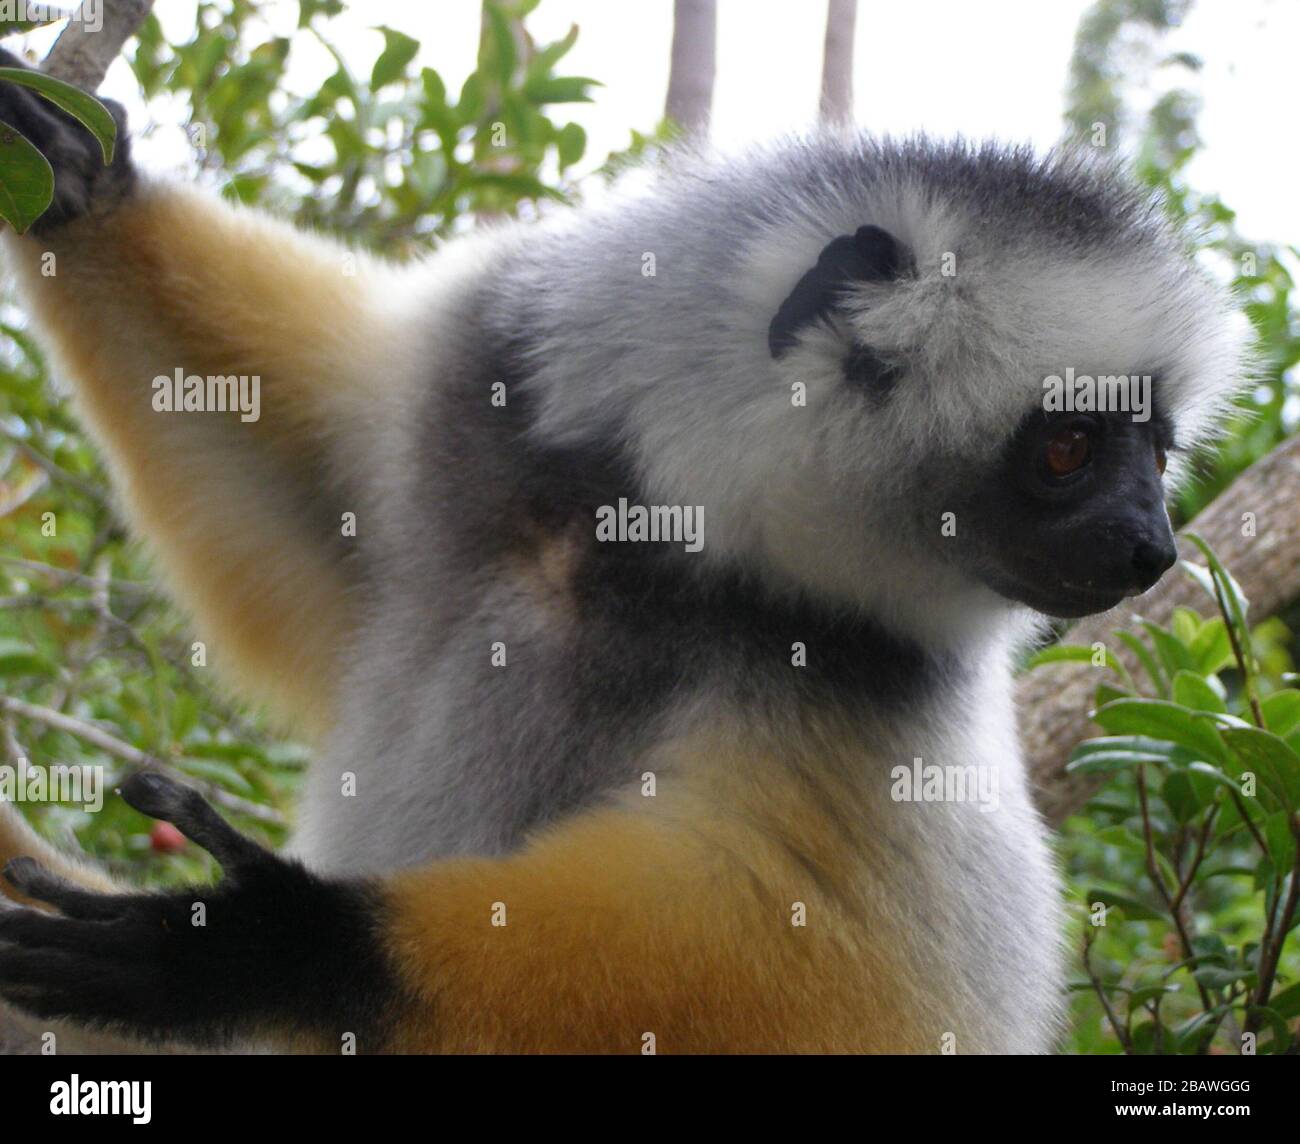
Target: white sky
<point>980,67</point>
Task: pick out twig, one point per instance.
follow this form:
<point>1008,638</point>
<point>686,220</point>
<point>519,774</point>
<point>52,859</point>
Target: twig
<point>1271,951</point>
<point>1120,1033</point>
<point>83,52</point>
<point>1153,870</point>
<point>67,576</point>
<point>1250,822</point>
<point>1243,661</point>
<point>1197,858</point>
<point>133,756</point>
<point>53,468</point>
<point>23,492</point>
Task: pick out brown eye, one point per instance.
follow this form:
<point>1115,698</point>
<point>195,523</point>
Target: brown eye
<point>1162,460</point>
<point>1067,451</point>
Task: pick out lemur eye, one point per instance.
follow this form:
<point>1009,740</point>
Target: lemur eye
<point>1068,451</point>
<point>1162,459</point>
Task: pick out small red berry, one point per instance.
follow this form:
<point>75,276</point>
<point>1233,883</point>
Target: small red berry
<point>166,839</point>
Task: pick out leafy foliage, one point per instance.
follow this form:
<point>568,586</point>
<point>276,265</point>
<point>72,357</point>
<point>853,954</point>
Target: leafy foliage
<point>393,156</point>
<point>1184,868</point>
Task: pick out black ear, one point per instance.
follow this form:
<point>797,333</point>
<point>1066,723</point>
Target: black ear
<point>870,255</point>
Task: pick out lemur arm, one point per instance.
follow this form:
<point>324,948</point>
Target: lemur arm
<point>605,932</point>
<point>129,280</point>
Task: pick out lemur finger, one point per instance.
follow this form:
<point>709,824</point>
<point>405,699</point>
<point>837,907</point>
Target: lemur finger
<point>36,930</point>
<point>63,983</point>
<point>80,177</point>
<point>36,118</point>
<point>20,966</point>
<point>31,878</point>
<point>187,810</point>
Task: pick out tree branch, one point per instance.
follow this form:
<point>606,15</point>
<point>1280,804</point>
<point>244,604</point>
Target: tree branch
<point>836,105</point>
<point>82,53</point>
<point>133,756</point>
<point>694,64</point>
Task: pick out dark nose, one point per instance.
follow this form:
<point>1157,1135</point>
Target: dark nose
<point>1152,559</point>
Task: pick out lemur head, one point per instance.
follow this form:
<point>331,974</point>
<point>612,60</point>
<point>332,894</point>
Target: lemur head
<point>934,380</point>
<point>1059,504</point>
<point>1025,347</point>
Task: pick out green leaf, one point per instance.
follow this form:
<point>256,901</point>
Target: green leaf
<point>1180,796</point>
<point>1162,720</point>
<point>1287,1003</point>
<point>19,658</point>
<point>1281,842</point>
<point>1281,1039</point>
<point>1069,653</point>
<point>499,45</point>
<point>399,50</point>
<point>1122,837</point>
<point>1192,1035</point>
<point>26,180</point>
<point>471,103</point>
<point>1213,775</point>
<point>1145,658</point>
<point>571,143</point>
<point>1132,909</point>
<point>1190,690</point>
<point>1105,693</point>
<point>1145,993</point>
<point>1120,752</point>
<point>435,91</point>
<point>1282,711</point>
<point>1149,1037</point>
<point>1220,977</point>
<point>1211,648</point>
<point>218,772</point>
<point>559,89</point>
<point>1238,605</point>
<point>547,57</point>
<point>309,8</point>
<point>1174,654</point>
<point>1276,763</point>
<point>85,108</point>
<point>1185,624</point>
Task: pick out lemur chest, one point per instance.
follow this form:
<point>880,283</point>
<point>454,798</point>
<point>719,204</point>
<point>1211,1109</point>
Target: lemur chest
<point>936,904</point>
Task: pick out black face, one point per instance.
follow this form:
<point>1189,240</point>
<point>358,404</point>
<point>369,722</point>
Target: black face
<point>1072,520</point>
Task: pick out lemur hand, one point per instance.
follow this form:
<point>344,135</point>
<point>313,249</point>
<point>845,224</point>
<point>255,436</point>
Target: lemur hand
<point>272,948</point>
<point>81,179</point>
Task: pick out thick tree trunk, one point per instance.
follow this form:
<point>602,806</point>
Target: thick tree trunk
<point>694,64</point>
<point>836,106</point>
<point>1054,700</point>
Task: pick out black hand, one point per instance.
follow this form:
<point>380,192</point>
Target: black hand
<point>279,949</point>
<point>81,179</point>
